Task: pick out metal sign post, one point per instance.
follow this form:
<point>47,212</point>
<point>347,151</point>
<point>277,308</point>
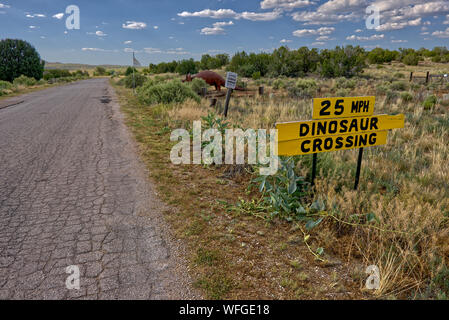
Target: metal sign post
<point>231,83</point>
<point>359,168</point>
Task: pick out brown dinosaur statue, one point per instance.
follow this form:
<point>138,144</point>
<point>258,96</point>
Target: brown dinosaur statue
<point>211,78</point>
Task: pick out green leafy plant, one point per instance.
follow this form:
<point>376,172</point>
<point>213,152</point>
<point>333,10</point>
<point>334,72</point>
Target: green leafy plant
<point>284,192</point>
<point>430,102</point>
<point>198,84</point>
<point>24,81</point>
<point>135,81</point>
<point>169,92</point>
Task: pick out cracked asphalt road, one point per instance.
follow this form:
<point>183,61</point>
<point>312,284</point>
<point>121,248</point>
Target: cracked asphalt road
<point>73,192</point>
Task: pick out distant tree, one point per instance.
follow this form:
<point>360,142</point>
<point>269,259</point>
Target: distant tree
<point>379,55</point>
<point>129,71</point>
<point>100,71</point>
<point>411,59</point>
<point>187,66</point>
<point>18,57</point>
<point>346,61</point>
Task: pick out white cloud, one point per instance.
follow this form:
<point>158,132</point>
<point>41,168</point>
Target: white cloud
<point>399,25</point>
<point>324,38</point>
<point>33,27</point>
<point>373,37</point>
<point>285,41</point>
<point>177,51</point>
<point>312,32</point>
<point>217,29</point>
<point>156,27</point>
<point>441,34</point>
<point>358,30</point>
<point>100,33</point>
<point>315,17</point>
<point>134,25</point>
<point>58,16</point>
<point>99,50</point>
<point>4,6</point>
<point>36,15</point>
<point>284,4</point>
<point>229,13</point>
<point>127,42</point>
<point>208,13</point>
<point>399,41</point>
<point>318,44</point>
<point>340,6</point>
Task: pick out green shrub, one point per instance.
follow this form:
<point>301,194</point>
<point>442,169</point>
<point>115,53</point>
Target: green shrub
<point>398,85</point>
<point>406,97</point>
<point>342,93</point>
<point>100,71</point>
<point>5,85</point>
<point>198,84</point>
<point>303,88</point>
<point>382,89</point>
<point>399,75</point>
<point>343,83</point>
<point>241,84</point>
<point>170,92</point>
<point>137,80</point>
<point>278,84</point>
<point>56,74</point>
<point>391,95</point>
<point>411,59</point>
<point>430,102</point>
<point>24,81</point>
<point>256,75</point>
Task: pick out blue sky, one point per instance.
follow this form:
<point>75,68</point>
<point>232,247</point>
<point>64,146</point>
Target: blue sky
<point>166,30</point>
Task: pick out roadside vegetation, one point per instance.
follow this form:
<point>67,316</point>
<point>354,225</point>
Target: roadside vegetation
<point>277,237</point>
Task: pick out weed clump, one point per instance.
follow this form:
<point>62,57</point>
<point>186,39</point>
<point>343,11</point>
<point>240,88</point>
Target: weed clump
<point>170,92</point>
<point>303,88</point>
<point>24,81</point>
<point>198,84</point>
<point>430,102</point>
<point>134,81</point>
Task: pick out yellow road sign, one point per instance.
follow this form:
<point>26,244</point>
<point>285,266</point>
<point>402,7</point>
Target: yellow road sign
<point>330,127</point>
<point>331,143</point>
<point>329,108</point>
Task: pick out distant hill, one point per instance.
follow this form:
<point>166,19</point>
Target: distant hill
<point>77,66</point>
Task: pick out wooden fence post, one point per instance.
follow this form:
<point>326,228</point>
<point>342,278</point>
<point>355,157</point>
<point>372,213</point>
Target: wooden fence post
<point>428,77</point>
<point>411,76</point>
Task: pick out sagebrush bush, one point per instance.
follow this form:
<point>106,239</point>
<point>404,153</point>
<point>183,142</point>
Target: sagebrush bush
<point>24,81</point>
<point>169,92</point>
<point>256,75</point>
<point>399,75</point>
<point>406,97</point>
<point>5,85</point>
<point>278,84</point>
<point>303,88</point>
<point>430,102</point>
<point>197,84</point>
<point>137,80</point>
<point>343,83</point>
<point>398,85</point>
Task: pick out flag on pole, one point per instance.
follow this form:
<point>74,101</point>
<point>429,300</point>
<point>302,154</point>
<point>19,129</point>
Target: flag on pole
<point>136,62</point>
